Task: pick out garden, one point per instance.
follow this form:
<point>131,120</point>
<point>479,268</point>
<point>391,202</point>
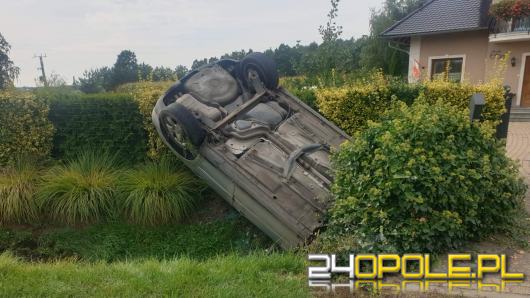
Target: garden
<point>94,201</point>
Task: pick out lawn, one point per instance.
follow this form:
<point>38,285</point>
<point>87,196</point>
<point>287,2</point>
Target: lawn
<point>263,275</point>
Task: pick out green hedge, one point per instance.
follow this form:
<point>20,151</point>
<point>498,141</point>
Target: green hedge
<point>107,121</point>
<point>146,94</point>
<point>352,106</point>
<point>24,127</point>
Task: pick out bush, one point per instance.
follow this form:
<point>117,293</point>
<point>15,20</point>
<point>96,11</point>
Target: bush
<point>302,88</point>
<point>146,94</point>
<point>157,194</point>
<point>25,129</point>
<point>425,179</point>
<point>459,94</point>
<point>351,106</point>
<point>88,122</point>
<point>81,191</point>
<point>17,192</point>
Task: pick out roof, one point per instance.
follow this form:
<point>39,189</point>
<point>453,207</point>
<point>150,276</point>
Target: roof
<point>440,16</point>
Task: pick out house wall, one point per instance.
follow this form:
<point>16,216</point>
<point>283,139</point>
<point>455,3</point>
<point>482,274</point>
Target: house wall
<point>472,45</point>
<point>480,62</point>
<point>513,74</point>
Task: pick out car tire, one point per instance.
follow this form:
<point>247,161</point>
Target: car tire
<point>264,66</point>
<point>179,125</point>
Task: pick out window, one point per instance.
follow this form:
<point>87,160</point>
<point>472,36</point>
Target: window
<point>447,68</point>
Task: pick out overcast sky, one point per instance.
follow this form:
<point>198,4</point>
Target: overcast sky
<point>82,34</point>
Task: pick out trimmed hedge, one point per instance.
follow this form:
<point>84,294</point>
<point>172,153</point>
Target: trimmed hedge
<point>146,94</point>
<point>92,122</point>
<point>459,94</point>
<point>352,106</point>
<point>424,179</point>
<point>24,127</point>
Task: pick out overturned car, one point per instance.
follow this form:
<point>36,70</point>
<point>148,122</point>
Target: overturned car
<point>263,150</point>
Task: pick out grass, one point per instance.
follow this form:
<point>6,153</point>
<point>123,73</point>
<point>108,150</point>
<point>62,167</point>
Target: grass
<point>256,275</point>
<point>156,194</point>
<point>17,192</point>
<point>117,241</point>
<point>81,191</point>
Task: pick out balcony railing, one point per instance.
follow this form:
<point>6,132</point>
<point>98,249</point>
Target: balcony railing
<point>516,26</point>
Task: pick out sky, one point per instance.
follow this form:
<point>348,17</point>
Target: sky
<point>77,35</point>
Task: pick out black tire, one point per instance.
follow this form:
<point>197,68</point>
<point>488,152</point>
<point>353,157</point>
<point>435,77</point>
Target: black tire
<point>177,115</point>
<point>264,66</point>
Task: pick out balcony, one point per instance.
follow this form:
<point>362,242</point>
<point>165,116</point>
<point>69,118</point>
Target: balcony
<point>516,29</point>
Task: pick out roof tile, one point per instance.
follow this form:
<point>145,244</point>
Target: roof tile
<point>443,16</point>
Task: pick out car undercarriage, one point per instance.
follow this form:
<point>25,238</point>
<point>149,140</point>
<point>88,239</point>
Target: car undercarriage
<point>263,150</point>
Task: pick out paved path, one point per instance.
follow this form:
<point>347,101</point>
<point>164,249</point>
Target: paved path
<point>518,147</point>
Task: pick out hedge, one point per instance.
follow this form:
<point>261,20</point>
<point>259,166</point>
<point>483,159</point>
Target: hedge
<point>25,129</point>
<point>146,94</point>
<point>459,94</point>
<point>352,106</point>
<point>101,121</point>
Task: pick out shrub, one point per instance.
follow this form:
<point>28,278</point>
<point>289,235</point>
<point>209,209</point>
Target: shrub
<point>425,179</point>
<point>157,194</point>
<point>459,94</point>
<point>17,192</point>
<point>302,88</point>
<point>25,129</point>
<point>89,122</point>
<point>351,106</point>
<point>81,191</point>
<point>145,95</point>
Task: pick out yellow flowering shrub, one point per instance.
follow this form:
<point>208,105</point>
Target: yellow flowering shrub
<point>146,95</point>
<point>24,126</point>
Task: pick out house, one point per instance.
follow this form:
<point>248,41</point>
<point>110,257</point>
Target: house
<point>462,36</point>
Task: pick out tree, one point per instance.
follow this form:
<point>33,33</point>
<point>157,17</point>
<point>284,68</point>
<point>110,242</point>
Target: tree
<point>286,58</point>
<point>181,71</point>
<point>53,80</point>
<point>331,31</point>
<point>145,72</point>
<point>198,63</point>
<point>161,73</point>
<point>96,80</point>
<point>377,53</point>
<point>8,71</point>
<point>125,69</point>
<point>236,55</point>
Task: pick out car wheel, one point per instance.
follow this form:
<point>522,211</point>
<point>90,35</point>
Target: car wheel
<point>264,66</point>
<point>181,129</point>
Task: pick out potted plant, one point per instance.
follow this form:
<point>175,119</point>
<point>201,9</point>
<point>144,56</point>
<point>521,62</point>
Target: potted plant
<point>509,9</point>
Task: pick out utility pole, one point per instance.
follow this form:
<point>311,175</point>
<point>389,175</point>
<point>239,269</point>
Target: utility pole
<point>43,76</point>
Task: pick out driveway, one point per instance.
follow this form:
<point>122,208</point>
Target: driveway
<point>518,148</point>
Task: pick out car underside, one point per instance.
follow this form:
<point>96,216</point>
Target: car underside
<point>263,150</point>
